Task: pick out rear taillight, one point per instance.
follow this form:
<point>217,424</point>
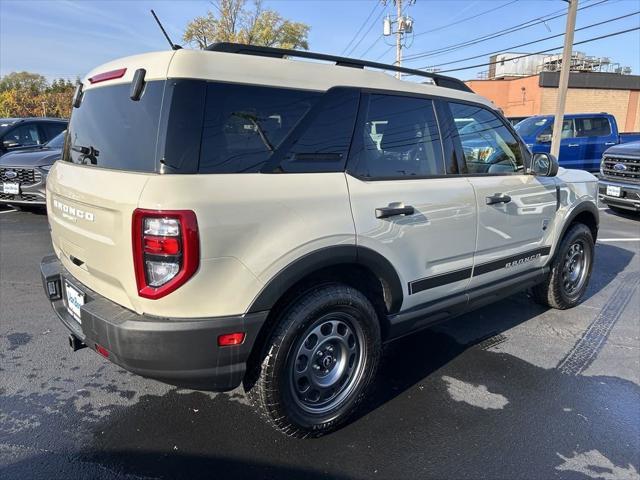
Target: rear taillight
<point>166,250</point>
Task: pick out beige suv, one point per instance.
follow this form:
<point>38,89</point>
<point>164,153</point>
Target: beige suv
<point>237,217</point>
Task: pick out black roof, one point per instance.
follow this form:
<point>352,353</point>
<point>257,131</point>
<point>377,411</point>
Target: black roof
<point>439,80</point>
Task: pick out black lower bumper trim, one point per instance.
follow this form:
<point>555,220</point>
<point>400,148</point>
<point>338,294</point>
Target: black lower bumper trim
<point>182,352</point>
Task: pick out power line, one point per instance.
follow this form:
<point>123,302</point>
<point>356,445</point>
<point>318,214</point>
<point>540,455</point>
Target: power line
<point>367,32</point>
<point>375,7</point>
<point>614,34</point>
<point>457,22</point>
<point>499,33</point>
<point>533,41</point>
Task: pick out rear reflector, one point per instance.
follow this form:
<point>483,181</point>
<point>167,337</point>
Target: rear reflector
<point>110,75</point>
<point>102,351</point>
<point>230,339</point>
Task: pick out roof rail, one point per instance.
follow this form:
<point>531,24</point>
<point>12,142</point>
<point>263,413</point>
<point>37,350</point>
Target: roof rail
<point>440,80</point>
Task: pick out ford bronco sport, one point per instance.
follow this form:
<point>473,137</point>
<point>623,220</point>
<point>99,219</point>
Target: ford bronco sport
<point>237,217</point>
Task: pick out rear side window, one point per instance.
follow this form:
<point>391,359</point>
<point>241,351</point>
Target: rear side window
<point>398,138</point>
<point>321,142</point>
<point>592,127</point>
<point>110,130</point>
<point>244,125</point>
<point>487,144</point>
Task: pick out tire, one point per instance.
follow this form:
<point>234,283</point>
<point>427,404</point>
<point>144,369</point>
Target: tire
<point>570,270</point>
<point>301,392</point>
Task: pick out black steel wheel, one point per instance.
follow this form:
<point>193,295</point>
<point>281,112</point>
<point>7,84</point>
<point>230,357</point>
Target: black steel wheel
<point>319,361</point>
<point>570,270</point>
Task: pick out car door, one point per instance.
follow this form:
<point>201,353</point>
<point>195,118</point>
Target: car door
<point>516,210</point>
<point>595,136</point>
<point>570,155</point>
<point>403,205</point>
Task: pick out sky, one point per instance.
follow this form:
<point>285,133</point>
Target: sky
<point>67,38</point>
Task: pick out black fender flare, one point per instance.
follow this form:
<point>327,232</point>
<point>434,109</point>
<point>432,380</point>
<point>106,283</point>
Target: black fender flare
<point>330,257</point>
<point>580,208</point>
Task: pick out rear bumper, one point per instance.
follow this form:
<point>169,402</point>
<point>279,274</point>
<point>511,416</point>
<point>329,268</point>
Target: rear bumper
<point>629,194</point>
<point>182,352</point>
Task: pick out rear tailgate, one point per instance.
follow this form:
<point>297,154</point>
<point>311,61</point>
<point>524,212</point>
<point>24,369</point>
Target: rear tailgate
<point>109,154</point>
<point>90,211</point>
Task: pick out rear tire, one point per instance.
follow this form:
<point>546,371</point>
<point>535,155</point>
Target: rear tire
<point>570,270</point>
<point>319,361</point>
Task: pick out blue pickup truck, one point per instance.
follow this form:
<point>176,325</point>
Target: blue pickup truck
<point>585,137</point>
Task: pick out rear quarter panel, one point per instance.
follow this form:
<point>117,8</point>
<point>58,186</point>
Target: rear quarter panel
<point>251,227</point>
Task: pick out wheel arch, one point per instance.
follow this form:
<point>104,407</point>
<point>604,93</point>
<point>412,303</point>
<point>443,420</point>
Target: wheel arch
<point>585,213</point>
<point>333,259</point>
<point>359,267</point>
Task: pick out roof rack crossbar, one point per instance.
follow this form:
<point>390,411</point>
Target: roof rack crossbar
<point>439,80</point>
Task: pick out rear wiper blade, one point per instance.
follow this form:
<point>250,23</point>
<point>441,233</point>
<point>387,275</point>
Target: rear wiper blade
<point>87,153</point>
<point>254,122</point>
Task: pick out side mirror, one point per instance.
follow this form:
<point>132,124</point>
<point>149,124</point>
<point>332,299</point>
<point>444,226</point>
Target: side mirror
<point>10,144</point>
<point>544,165</point>
<point>543,138</point>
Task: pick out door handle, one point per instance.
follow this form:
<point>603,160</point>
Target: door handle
<point>396,208</point>
<point>498,198</point>
<point>573,145</point>
<point>610,143</point>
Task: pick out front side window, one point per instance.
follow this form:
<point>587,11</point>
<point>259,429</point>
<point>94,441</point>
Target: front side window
<point>487,144</point>
<point>568,131</point>
<point>57,141</point>
<point>592,127</point>
<point>52,129</point>
<point>398,138</point>
<point>244,125</point>
<point>23,136</point>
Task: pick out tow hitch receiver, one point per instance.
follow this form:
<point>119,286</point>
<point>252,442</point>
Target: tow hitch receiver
<point>75,343</point>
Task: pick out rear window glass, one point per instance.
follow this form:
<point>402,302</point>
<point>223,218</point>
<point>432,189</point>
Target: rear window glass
<point>244,125</point>
<point>110,130</point>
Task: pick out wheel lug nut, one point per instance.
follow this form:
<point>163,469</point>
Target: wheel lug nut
<point>320,354</point>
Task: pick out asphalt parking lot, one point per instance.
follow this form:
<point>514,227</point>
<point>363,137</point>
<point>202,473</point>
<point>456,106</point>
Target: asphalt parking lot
<point>514,390</point>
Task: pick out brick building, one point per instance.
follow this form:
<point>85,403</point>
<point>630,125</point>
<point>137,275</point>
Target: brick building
<point>589,92</point>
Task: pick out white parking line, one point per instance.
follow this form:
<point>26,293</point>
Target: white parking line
<point>9,211</point>
<point>619,239</point>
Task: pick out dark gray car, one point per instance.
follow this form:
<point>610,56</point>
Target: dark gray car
<point>23,173</point>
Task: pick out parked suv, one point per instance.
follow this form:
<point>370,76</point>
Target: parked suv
<point>23,173</point>
<point>230,216</point>
<point>620,178</point>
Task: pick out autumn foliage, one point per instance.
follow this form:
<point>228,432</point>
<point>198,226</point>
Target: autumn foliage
<point>240,21</point>
<point>25,94</point>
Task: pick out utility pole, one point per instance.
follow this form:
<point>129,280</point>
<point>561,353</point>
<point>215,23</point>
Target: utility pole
<point>403,26</point>
<point>563,83</point>
<point>399,37</point>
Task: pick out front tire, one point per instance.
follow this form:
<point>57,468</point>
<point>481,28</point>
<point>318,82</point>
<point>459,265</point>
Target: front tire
<point>570,270</point>
<point>318,362</point>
